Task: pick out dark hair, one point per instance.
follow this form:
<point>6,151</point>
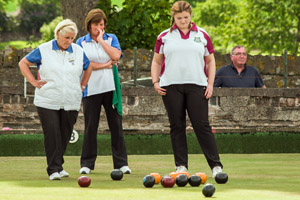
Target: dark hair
<point>94,16</point>
<point>179,7</point>
<point>237,47</point>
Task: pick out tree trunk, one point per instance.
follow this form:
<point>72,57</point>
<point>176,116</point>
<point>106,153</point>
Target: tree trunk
<point>77,10</point>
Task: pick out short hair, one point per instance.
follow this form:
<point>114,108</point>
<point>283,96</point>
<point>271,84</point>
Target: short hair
<point>179,7</point>
<point>94,16</point>
<point>237,47</point>
<point>65,26</point>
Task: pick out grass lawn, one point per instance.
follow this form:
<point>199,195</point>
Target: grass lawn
<point>251,177</point>
<point>19,44</point>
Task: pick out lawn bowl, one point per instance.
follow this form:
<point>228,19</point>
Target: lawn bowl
<point>195,181</point>
<point>208,190</point>
<point>156,176</point>
<point>148,181</point>
<point>167,181</point>
<point>181,180</point>
<point>116,175</point>
<point>84,181</point>
<point>221,178</point>
<point>203,177</point>
<point>174,175</point>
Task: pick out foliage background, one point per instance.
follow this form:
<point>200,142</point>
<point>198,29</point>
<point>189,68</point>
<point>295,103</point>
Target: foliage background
<point>263,26</point>
<point>3,16</point>
<point>139,22</point>
<point>34,13</point>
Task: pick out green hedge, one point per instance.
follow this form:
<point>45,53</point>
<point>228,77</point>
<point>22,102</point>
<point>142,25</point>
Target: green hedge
<point>32,145</point>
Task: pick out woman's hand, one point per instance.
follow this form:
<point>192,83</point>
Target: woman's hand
<point>38,83</point>
<point>24,65</point>
<point>211,71</point>
<point>82,87</point>
<point>115,62</point>
<point>110,64</point>
<point>159,90</point>
<point>209,91</point>
<point>100,36</point>
<point>107,65</point>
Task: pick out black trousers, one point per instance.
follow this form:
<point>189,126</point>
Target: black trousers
<point>92,108</point>
<point>190,98</point>
<point>57,127</point>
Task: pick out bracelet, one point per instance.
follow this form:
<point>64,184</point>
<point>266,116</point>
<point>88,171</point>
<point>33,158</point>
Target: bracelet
<point>83,86</point>
<point>155,82</point>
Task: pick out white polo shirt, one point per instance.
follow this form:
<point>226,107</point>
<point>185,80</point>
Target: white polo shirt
<point>62,70</point>
<point>184,56</point>
<point>102,80</point>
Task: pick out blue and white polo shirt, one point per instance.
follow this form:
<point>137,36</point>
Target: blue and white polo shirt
<point>184,56</point>
<point>102,80</point>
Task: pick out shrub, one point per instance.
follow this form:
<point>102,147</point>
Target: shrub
<point>47,30</point>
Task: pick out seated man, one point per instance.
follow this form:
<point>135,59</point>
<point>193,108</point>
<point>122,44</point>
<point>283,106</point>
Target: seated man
<point>238,73</point>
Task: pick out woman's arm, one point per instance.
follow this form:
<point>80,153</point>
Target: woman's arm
<point>156,67</point>
<point>113,52</point>
<point>97,66</point>
<point>85,77</point>
<point>155,72</point>
<point>24,65</point>
<point>211,71</point>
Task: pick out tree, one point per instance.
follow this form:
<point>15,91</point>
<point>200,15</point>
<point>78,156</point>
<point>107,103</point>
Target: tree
<point>3,17</point>
<point>140,21</point>
<point>137,24</point>
<point>107,7</point>
<point>269,26</point>
<point>34,13</point>
<point>275,25</point>
<point>193,2</point>
<point>219,19</point>
<point>77,10</point>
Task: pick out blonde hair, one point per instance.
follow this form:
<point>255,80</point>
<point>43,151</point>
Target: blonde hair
<point>65,26</point>
<point>94,16</point>
<point>179,7</point>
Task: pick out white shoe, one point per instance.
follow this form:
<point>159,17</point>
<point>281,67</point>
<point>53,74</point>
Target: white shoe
<point>85,170</point>
<point>54,176</point>
<point>216,170</point>
<point>181,168</point>
<point>63,173</point>
<point>125,170</point>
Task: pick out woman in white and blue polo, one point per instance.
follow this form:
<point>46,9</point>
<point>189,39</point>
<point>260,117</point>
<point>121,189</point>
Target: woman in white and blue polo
<point>183,71</point>
<point>64,72</point>
<point>104,51</point>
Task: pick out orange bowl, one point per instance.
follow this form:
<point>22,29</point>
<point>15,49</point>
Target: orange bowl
<point>174,175</point>
<point>203,177</point>
<point>156,176</point>
<point>185,173</point>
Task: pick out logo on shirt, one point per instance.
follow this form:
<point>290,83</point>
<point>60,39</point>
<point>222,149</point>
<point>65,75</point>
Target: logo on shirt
<point>197,39</point>
<point>71,60</point>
